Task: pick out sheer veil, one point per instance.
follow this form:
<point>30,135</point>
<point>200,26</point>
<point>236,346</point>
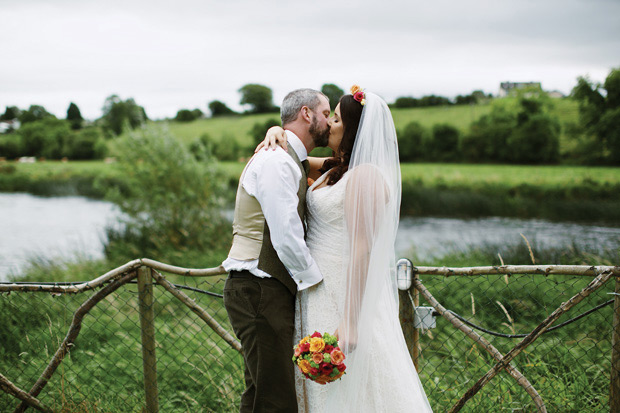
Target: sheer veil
<point>372,205</point>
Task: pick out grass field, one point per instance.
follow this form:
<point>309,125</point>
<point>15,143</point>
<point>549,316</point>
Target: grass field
<point>239,127</point>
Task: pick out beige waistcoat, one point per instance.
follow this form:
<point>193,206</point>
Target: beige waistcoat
<point>251,239</point>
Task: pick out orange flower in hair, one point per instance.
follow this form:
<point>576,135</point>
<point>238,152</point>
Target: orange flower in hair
<point>355,89</point>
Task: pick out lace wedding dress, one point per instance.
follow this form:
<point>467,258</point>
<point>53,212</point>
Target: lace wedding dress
<point>321,307</point>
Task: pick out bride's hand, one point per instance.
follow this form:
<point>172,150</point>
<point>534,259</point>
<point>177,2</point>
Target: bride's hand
<point>347,341</point>
<point>275,136</point>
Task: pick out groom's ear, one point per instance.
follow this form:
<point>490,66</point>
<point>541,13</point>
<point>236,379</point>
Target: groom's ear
<point>305,113</point>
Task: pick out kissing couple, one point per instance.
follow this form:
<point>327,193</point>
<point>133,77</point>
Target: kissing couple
<point>320,257</point>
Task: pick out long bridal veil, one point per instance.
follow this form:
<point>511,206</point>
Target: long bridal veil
<point>378,364</point>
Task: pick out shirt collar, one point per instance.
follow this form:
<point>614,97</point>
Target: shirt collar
<point>297,145</point>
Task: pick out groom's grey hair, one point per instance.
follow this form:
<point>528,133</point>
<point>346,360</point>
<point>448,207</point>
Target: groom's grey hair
<point>295,100</point>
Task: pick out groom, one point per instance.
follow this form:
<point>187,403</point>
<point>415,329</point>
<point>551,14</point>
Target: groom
<point>269,260</point>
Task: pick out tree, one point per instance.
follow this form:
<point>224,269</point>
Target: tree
<point>536,139</point>
<point>11,112</point>
<point>599,113</point>
<point>118,114</point>
<point>197,113</point>
<point>406,102</point>
<point>259,97</point>
<point>333,93</point>
<point>488,136</point>
<point>185,115</point>
<point>465,100</point>
<point>34,113</point>
<point>444,144</point>
<point>411,142</point>
<point>74,116</point>
<point>433,100</point>
<point>218,108</point>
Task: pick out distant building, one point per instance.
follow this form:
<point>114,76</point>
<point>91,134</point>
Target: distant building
<point>556,94</point>
<point>507,88</point>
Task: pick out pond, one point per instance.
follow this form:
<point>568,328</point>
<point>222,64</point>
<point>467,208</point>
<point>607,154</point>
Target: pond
<point>38,228</point>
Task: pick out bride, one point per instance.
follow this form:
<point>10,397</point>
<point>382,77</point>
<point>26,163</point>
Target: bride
<point>353,211</point>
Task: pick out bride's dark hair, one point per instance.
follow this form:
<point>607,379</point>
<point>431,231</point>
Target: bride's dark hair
<point>350,115</point>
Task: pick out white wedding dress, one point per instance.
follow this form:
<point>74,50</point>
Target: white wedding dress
<point>320,308</point>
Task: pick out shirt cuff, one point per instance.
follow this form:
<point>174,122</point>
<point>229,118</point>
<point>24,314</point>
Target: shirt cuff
<point>308,278</point>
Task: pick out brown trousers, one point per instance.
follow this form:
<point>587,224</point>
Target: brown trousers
<point>262,314</point>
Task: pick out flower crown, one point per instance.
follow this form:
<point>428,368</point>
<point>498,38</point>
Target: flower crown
<point>358,94</point>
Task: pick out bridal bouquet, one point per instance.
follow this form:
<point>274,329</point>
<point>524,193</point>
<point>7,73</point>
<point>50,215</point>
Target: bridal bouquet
<point>319,358</point>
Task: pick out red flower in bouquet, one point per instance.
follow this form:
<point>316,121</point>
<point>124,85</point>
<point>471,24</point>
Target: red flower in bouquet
<point>326,368</point>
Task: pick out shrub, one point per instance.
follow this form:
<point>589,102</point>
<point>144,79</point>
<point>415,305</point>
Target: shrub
<point>172,201</point>
<point>87,144</point>
<point>226,149</point>
<point>259,130</point>
<point>412,142</point>
<point>49,138</point>
<point>10,146</point>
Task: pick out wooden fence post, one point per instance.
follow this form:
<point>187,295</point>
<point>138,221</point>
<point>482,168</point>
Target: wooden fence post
<point>614,396</point>
<point>405,314</point>
<point>147,325</point>
<point>416,332</point>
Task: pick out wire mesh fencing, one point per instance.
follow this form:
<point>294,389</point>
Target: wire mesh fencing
<point>569,366</point>
<point>198,371</point>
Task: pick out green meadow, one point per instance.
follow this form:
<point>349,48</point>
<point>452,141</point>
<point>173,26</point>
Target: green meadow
<point>459,116</point>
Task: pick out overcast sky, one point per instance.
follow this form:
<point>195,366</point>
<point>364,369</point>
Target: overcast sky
<point>169,55</point>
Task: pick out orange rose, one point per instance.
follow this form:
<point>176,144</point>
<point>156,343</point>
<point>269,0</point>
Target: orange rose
<point>355,89</point>
<point>317,358</point>
<point>304,340</point>
<point>310,181</point>
<point>316,344</point>
<point>297,351</point>
<point>337,357</point>
<point>304,365</point>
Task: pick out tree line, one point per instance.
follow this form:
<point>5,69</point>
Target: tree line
<point>527,133</point>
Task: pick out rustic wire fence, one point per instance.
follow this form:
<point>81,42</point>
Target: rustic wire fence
<point>194,364</point>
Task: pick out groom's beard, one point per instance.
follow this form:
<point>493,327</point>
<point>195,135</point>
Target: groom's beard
<point>319,137</point>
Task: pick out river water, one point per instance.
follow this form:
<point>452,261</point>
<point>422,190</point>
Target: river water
<point>46,229</point>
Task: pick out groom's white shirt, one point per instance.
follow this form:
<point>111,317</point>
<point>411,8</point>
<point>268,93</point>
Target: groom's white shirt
<point>272,177</point>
